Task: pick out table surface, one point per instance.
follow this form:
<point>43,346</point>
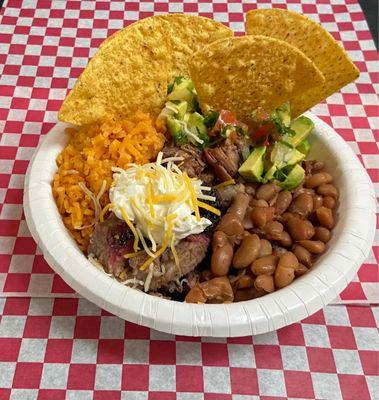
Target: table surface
<point>55,345</point>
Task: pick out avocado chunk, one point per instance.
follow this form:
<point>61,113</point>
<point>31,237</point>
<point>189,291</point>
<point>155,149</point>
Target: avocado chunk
<point>176,130</point>
<point>284,113</point>
<point>252,168</point>
<point>177,108</point>
<point>195,124</point>
<point>302,127</point>
<point>284,154</point>
<point>293,178</point>
<point>184,90</point>
<point>304,147</point>
<point>270,174</point>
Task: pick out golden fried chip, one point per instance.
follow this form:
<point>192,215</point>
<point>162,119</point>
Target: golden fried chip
<point>242,73</point>
<point>131,70</point>
<point>315,42</point>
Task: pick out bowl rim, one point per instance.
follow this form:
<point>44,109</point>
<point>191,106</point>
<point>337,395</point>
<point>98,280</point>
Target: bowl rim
<point>288,305</point>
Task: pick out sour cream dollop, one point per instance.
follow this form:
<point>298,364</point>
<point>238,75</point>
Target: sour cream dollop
<point>160,200</point>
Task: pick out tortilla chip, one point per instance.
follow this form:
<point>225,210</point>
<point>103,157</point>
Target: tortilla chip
<point>241,74</point>
<point>131,70</point>
<point>315,42</point>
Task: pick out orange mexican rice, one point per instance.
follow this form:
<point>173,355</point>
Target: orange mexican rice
<point>81,184</point>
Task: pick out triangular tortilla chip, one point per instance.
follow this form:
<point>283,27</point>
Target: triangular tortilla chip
<point>131,70</point>
<point>241,74</point>
<point>315,42</point>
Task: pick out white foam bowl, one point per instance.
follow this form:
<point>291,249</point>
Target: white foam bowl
<point>348,248</point>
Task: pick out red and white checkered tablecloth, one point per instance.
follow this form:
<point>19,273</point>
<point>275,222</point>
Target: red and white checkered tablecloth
<point>54,345</point>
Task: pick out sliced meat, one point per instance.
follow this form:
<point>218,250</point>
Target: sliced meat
<point>193,162</point>
<point>110,241</point>
<point>191,251</point>
<point>226,194</point>
<point>224,160</point>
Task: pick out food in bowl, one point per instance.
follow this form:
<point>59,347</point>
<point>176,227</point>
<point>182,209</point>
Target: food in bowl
<point>210,198</point>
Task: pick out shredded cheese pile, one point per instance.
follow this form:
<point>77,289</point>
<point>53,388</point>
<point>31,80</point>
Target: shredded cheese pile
<point>160,203</point>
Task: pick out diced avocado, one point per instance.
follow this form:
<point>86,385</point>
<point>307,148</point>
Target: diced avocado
<point>176,130</point>
<point>184,91</point>
<point>284,154</point>
<point>304,147</point>
<point>294,178</point>
<point>269,175</point>
<point>284,113</point>
<point>252,168</point>
<point>302,127</point>
<point>196,125</point>
<point>177,108</point>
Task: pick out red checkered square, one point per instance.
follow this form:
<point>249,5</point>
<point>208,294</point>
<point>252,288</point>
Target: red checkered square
<point>37,327</point>
<point>218,396</point>
<point>244,381</point>
<point>162,396</point>
<point>133,331</point>
<point>65,306</point>
<point>5,394</point>
<point>189,378</point>
<point>299,384</point>
<point>87,327</point>
<point>162,352</point>
<point>9,349</point>
<point>110,351</point>
<point>316,319</point>
<point>16,282</point>
<point>369,361</point>
<point>16,306</point>
<point>81,377</point>
<point>268,357</point>
<point>341,337</point>
<point>215,354</point>
<point>361,316</point>
<point>40,266</point>
<point>106,395</point>
<point>27,375</point>
<point>291,335</point>
<point>135,377</point>
<point>60,286</point>
<point>354,387</point>
<point>58,351</point>
<point>51,394</point>
<point>321,360</point>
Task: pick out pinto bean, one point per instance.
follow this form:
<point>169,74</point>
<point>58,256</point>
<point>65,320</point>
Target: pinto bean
<point>273,230</point>
<point>318,179</point>
<point>317,202</point>
<point>322,234</point>
<point>286,216</point>
<point>247,252</point>
<point>285,271</point>
<point>221,260</point>
<point>265,282</point>
<point>216,290</point>
<point>261,215</point>
<point>329,202</point>
<point>239,205</point>
<point>303,255</point>
<point>285,239</point>
<point>300,229</point>
<point>258,203</point>
<point>265,249</point>
<point>264,265</point>
<point>266,192</point>
<point>313,246</point>
<point>302,205</point>
<point>328,190</point>
<point>231,225</point>
<point>301,270</point>
<point>219,239</point>
<point>245,282</point>
<point>325,217</point>
<point>283,201</point>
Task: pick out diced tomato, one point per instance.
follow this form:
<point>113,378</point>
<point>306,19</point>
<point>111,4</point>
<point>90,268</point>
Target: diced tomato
<point>228,117</point>
<point>262,133</point>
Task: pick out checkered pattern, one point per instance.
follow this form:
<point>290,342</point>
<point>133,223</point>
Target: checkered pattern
<point>44,45</point>
<point>52,348</point>
<point>68,348</point>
